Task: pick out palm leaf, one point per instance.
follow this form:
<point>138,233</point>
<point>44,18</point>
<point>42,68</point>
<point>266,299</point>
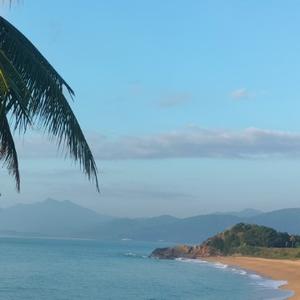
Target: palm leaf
<point>8,151</point>
<point>37,87</point>
<point>14,93</point>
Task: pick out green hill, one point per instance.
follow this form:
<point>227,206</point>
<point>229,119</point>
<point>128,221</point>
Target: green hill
<point>251,239</point>
<point>241,239</point>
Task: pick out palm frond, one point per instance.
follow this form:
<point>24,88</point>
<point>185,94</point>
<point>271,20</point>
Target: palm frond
<point>42,90</point>
<point>14,93</point>
<point>8,151</point>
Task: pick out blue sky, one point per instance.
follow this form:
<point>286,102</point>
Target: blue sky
<point>190,106</point>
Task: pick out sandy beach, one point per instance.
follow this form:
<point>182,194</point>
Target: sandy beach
<point>288,270</point>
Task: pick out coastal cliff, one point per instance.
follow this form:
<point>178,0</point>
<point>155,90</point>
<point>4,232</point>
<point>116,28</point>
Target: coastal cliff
<point>241,239</point>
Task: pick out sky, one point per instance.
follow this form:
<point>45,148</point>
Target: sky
<point>190,107</point>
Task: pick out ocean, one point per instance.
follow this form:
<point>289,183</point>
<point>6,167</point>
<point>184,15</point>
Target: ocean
<point>56,269</point>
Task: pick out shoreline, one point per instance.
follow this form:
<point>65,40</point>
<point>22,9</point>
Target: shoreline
<point>276,269</point>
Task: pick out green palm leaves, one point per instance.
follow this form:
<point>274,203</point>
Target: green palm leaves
<point>32,92</point>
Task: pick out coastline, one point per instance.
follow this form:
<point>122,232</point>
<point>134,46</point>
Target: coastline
<point>277,269</point>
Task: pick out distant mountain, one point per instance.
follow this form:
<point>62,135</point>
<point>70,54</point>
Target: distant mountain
<point>66,219</point>
<point>194,229</point>
<point>50,217</point>
<point>245,213</point>
<point>287,220</point>
<point>164,228</point>
<point>138,229</point>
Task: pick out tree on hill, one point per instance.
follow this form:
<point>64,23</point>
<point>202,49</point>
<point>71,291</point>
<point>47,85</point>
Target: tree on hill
<point>249,235</point>
<point>293,240</point>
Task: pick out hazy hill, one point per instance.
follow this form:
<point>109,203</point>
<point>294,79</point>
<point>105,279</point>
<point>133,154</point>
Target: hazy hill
<point>245,213</point>
<point>164,228</point>
<point>287,220</point>
<point>50,217</point>
<point>194,229</point>
<point>151,229</point>
<point>66,219</point>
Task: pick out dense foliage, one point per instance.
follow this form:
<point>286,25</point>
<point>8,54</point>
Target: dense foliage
<point>247,238</point>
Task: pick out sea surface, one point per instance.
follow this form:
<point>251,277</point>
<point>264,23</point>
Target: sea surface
<point>54,269</point>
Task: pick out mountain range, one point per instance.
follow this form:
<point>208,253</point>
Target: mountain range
<point>67,219</point>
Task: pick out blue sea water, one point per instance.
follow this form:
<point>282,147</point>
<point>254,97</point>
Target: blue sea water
<point>53,269</point>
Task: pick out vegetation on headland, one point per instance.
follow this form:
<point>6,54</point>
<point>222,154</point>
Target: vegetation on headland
<point>255,240</point>
<point>275,253</point>
<point>243,240</point>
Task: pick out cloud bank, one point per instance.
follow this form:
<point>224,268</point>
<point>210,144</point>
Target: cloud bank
<point>185,143</point>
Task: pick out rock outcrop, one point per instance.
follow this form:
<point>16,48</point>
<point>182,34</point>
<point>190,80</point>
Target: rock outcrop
<point>184,251</point>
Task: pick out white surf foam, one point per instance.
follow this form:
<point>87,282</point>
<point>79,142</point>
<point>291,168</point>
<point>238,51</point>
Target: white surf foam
<point>255,276</point>
<point>130,254</point>
<point>220,266</point>
<point>239,271</point>
<point>189,260</point>
<point>257,279</point>
<point>274,284</point>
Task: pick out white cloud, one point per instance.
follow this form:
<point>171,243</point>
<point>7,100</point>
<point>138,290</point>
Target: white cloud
<point>240,94</point>
<point>192,142</point>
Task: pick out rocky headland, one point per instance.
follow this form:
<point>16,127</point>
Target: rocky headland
<point>185,251</point>
<point>242,239</point>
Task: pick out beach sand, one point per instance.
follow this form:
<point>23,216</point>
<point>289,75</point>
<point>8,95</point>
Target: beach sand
<point>287,270</point>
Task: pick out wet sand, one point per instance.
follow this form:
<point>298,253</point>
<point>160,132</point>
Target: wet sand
<point>277,269</point>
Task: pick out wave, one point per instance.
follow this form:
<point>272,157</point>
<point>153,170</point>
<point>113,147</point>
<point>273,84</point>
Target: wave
<point>276,284</point>
<point>257,279</point>
<point>132,254</point>
<point>190,260</point>
<point>239,271</point>
<point>200,261</point>
<point>220,266</point>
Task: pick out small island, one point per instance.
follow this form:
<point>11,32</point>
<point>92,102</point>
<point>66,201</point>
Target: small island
<point>258,248</point>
